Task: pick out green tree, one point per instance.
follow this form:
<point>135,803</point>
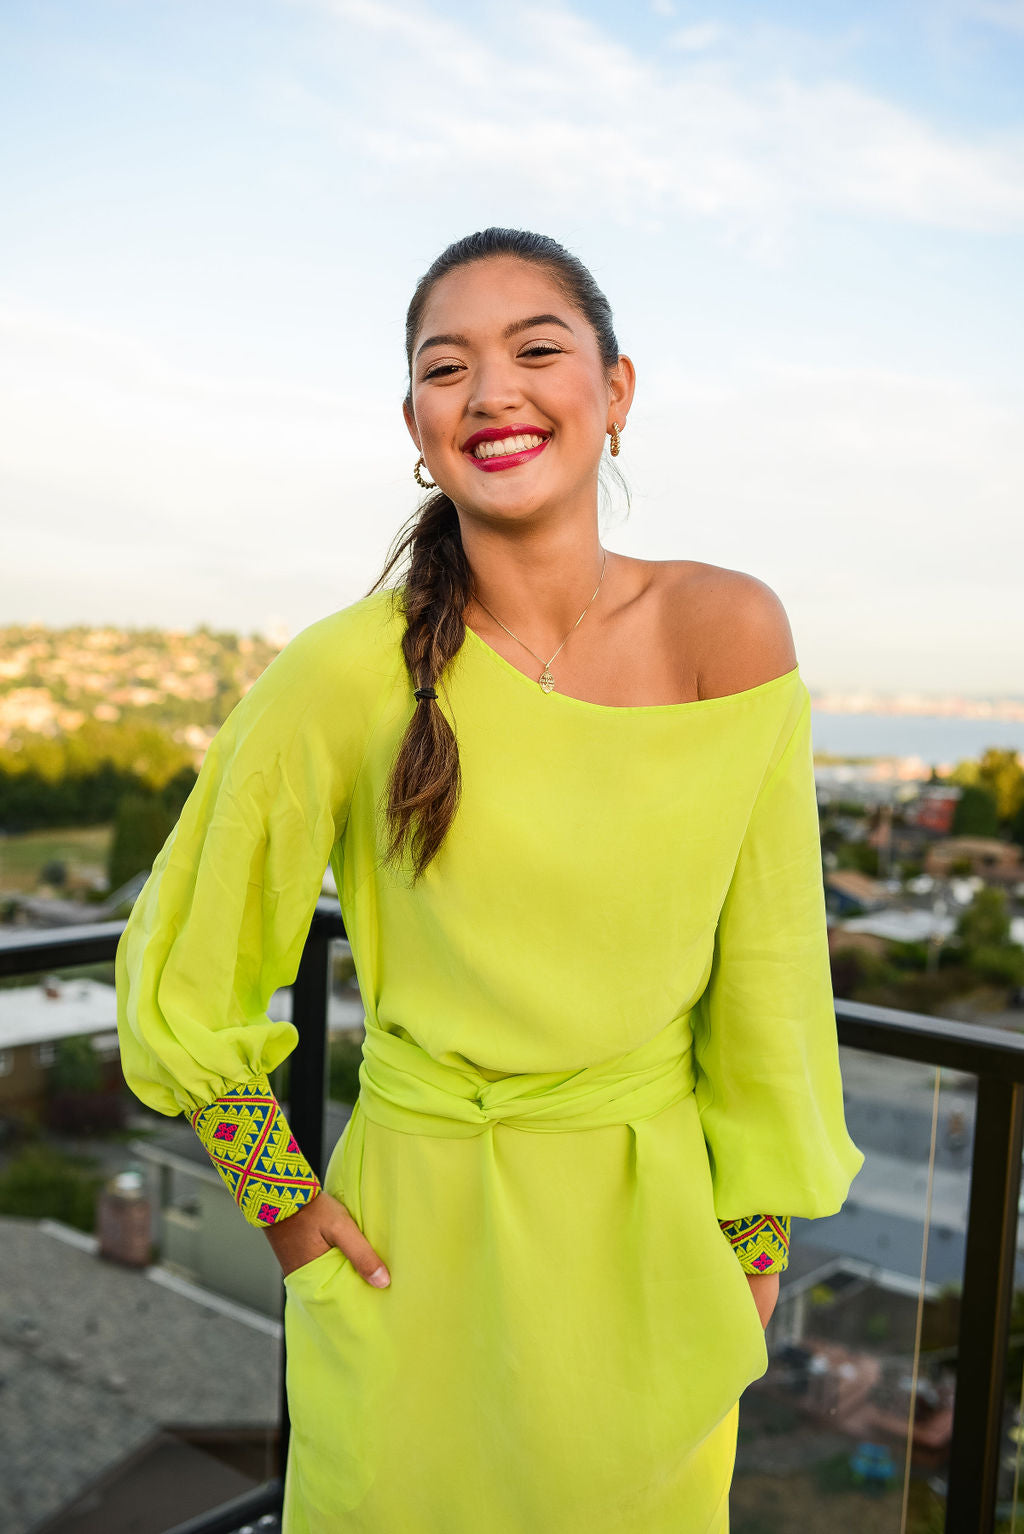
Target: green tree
<point>1017,827</point>
<point>986,921</point>
<point>976,813</point>
<point>1001,772</point>
<point>76,1066</point>
<point>141,826</point>
<point>983,931</point>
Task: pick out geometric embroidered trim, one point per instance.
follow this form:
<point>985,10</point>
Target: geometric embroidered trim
<point>760,1241</point>
<point>247,1137</point>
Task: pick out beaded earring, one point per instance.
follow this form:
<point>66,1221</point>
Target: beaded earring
<point>426,484</point>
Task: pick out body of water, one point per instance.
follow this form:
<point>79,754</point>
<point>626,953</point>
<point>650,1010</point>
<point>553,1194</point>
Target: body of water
<point>936,739</point>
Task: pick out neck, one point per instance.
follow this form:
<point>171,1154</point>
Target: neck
<point>538,592</point>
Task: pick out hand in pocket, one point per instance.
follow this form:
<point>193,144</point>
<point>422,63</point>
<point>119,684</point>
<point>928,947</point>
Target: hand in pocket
<point>316,1227</point>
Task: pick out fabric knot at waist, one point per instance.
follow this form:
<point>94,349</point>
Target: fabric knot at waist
<point>404,1088</point>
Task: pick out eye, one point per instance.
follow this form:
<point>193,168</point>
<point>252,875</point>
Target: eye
<point>539,349</point>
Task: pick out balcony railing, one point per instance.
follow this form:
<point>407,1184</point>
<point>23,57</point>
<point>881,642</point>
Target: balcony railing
<point>993,1057</point>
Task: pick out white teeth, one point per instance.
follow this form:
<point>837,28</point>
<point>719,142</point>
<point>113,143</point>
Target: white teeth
<point>501,447</point>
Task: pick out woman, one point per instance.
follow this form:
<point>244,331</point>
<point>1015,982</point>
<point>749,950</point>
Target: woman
<point>600,1070</point>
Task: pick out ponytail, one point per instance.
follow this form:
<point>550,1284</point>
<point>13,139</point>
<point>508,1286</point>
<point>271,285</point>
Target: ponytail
<point>425,785</point>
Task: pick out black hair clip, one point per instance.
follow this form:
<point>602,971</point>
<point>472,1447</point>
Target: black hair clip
<point>425,692</point>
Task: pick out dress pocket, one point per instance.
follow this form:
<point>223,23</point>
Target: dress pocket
<point>312,1276</point>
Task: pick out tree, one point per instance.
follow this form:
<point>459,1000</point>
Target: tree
<point>986,921</point>
<point>141,826</point>
<point>76,1066</point>
<point>983,929</point>
<point>1001,771</point>
<point>975,813</point>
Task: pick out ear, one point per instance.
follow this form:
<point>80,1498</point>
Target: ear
<point>410,421</point>
<point>621,386</point>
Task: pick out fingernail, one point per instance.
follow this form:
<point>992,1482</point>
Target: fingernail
<point>380,1277</point>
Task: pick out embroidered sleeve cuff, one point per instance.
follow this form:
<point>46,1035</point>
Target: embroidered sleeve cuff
<point>760,1241</point>
<point>247,1137</point>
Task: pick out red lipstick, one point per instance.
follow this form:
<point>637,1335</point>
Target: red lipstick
<point>505,460</point>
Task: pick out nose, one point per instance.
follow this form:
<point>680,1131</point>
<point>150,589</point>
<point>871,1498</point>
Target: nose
<point>496,388</point>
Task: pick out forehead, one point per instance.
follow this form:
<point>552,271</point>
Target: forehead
<point>485,295</point>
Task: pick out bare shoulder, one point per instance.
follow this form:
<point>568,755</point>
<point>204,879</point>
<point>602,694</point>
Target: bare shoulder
<point>732,623</point>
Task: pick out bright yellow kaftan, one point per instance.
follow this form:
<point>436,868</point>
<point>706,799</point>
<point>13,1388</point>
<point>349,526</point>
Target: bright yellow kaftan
<point>602,1022</point>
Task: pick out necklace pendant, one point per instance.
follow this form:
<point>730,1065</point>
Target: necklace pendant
<point>547,681</point>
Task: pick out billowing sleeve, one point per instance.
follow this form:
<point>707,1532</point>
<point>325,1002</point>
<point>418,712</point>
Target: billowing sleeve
<point>221,922</point>
<point>768,1089</point>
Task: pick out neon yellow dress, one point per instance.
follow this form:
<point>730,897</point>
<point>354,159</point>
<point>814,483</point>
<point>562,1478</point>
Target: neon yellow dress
<point>601,1024</point>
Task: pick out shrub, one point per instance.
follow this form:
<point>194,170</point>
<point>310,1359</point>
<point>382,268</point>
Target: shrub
<point>43,1183</point>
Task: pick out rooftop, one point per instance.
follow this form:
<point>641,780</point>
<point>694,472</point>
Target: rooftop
<point>98,1360</point>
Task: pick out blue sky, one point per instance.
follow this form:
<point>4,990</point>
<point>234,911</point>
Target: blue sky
<point>808,221</point>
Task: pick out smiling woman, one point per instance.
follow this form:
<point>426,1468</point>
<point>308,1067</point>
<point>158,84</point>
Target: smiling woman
<point>588,925</point>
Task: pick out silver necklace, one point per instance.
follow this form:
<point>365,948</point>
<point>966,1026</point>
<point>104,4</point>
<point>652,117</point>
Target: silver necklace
<point>546,680</point>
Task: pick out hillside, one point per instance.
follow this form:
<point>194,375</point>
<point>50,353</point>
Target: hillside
<point>177,683</point>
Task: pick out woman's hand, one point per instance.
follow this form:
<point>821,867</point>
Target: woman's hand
<point>316,1227</point>
<point>765,1289</point>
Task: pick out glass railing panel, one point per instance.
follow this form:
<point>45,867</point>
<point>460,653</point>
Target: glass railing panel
<point>140,1317</point>
<point>1010,1485</point>
<point>850,1427</point>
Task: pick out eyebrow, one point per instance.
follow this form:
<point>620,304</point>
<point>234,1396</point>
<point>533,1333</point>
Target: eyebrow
<point>506,335</point>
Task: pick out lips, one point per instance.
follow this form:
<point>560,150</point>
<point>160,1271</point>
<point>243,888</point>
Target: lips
<point>493,463</point>
<point>496,433</point>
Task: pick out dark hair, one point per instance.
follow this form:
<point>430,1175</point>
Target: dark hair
<point>425,785</point>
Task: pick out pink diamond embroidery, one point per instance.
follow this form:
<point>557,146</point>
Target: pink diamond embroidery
<point>225,1131</point>
<point>268,1214</point>
<point>762,1261</point>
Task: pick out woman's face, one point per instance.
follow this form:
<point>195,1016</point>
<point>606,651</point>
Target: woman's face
<point>501,355</point>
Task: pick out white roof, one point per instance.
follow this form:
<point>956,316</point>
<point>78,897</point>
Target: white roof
<point>901,926</point>
<point>29,1016</point>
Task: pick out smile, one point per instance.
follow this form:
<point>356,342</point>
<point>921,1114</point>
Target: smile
<point>506,452</point>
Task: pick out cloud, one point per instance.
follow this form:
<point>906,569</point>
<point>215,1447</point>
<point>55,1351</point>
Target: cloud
<point>999,13</point>
<point>716,128</point>
<point>697,37</point>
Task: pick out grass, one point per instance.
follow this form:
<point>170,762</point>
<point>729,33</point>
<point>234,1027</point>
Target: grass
<point>23,856</point>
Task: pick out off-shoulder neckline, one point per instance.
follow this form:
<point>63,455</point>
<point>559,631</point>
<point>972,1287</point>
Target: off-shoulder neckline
<point>692,705</point>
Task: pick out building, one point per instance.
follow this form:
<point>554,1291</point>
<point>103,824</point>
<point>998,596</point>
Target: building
<point>995,861</point>
<point>33,1021</point>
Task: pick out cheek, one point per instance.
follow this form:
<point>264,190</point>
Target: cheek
<point>576,398</point>
<point>435,415</point>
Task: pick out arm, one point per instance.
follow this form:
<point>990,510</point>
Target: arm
<point>221,922</point>
<point>769,1089</point>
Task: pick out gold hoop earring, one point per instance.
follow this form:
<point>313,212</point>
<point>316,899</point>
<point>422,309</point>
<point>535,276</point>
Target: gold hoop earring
<point>616,444</point>
<point>427,484</point>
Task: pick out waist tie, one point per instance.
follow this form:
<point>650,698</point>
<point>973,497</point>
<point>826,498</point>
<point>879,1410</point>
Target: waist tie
<point>404,1088</point>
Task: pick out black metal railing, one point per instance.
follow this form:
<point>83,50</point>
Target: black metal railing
<point>994,1057</point>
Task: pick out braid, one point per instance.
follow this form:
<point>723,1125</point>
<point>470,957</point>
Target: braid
<point>425,785</point>
<point>426,781</point>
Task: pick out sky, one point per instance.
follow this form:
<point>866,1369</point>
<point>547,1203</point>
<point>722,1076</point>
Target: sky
<point>808,221</point>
